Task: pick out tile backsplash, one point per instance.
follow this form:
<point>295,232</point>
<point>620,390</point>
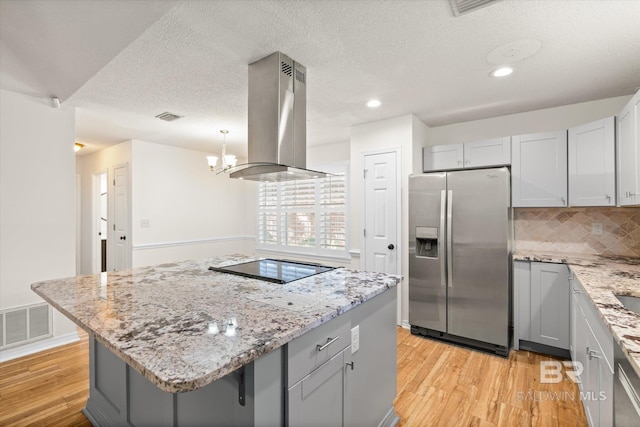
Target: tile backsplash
<point>570,230</point>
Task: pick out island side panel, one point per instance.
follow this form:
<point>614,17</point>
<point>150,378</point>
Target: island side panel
<point>107,403</point>
<point>217,403</point>
<point>370,387</point>
<point>267,392</point>
<point>119,395</point>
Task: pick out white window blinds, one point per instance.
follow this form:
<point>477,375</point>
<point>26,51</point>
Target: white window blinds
<point>307,216</point>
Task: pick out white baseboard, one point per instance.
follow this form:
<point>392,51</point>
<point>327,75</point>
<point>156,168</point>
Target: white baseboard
<point>405,324</point>
<point>35,347</point>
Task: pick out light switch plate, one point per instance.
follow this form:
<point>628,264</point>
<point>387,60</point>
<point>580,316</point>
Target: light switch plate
<point>596,228</point>
<point>355,338</point>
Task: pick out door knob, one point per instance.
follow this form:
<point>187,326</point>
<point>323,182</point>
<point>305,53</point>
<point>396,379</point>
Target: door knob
<point>391,247</point>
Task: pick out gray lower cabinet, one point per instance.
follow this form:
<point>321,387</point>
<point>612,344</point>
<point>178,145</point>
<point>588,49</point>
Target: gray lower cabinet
<point>314,380</point>
<point>592,354</point>
<point>353,385</point>
<point>318,399</point>
<point>541,295</point>
<point>550,297</point>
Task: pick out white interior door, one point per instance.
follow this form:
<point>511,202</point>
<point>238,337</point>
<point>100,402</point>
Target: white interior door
<point>381,212</point>
<point>122,238</point>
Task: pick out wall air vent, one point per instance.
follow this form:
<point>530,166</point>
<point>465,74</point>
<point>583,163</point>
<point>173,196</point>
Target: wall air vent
<point>24,324</point>
<point>461,7</point>
<point>168,117</point>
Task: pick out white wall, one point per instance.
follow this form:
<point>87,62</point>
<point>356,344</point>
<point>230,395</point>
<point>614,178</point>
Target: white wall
<point>193,213</point>
<point>37,199</point>
<point>319,155</point>
<point>404,133</point>
<point>88,167</point>
<point>544,120</point>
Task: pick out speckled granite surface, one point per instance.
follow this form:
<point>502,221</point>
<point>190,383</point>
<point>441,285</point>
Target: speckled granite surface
<point>176,323</point>
<point>603,277</point>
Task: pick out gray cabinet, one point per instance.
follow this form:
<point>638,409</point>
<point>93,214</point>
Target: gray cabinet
<point>488,152</point>
<point>541,295</point>
<point>476,154</point>
<point>550,304</point>
<point>367,395</point>
<point>592,354</point>
<point>354,383</point>
<point>629,153</point>
<point>318,399</point>
<point>442,157</point>
<point>592,178</point>
<point>539,169</point>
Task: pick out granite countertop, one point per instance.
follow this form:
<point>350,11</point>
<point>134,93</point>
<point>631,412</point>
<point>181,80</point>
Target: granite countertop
<point>603,277</point>
<point>176,323</point>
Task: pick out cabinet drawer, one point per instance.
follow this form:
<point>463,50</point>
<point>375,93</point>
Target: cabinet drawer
<point>600,331</point>
<point>306,353</point>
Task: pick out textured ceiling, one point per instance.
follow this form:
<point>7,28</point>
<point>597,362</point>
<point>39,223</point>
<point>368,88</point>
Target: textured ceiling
<point>415,56</point>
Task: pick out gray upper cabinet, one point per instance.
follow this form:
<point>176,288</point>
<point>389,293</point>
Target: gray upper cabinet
<point>489,152</point>
<point>476,154</point>
<point>592,164</point>
<point>629,153</point>
<point>442,157</point>
<point>539,169</point>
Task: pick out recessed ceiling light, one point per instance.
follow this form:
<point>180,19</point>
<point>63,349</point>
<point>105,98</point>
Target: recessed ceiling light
<point>501,72</point>
<point>374,103</point>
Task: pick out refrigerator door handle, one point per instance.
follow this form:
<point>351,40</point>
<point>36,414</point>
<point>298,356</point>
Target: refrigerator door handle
<point>441,244</point>
<point>449,239</point>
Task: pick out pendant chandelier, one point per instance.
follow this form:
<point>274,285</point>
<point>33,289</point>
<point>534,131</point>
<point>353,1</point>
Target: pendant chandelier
<point>228,160</point>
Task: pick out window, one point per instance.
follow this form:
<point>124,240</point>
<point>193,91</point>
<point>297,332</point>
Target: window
<point>307,216</point>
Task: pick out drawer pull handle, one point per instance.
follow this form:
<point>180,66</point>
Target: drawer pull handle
<point>328,343</point>
<point>352,365</point>
<point>593,354</point>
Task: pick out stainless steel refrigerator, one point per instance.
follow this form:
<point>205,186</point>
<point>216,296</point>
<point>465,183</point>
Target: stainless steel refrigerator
<point>459,257</point>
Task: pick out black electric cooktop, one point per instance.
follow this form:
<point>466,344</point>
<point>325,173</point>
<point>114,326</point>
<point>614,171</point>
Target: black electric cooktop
<point>274,270</point>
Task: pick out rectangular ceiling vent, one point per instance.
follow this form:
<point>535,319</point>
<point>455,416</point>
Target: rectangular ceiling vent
<point>168,117</point>
<point>461,7</point>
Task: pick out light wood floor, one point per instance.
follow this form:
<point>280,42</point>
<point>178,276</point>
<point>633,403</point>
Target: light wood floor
<point>49,388</point>
<point>438,384</point>
<point>444,385</point>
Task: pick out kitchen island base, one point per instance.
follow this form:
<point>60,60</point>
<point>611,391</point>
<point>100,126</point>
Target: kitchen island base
<point>346,389</point>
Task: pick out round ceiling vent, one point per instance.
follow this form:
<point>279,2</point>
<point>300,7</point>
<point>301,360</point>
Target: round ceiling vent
<point>514,51</point>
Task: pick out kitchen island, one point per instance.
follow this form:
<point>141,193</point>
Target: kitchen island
<point>177,344</point>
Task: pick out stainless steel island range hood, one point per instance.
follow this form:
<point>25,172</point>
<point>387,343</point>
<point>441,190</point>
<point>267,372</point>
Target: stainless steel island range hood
<point>277,121</point>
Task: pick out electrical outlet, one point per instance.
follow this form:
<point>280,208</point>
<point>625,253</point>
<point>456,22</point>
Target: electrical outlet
<point>355,339</point>
<point>596,228</point>
<point>145,223</point>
